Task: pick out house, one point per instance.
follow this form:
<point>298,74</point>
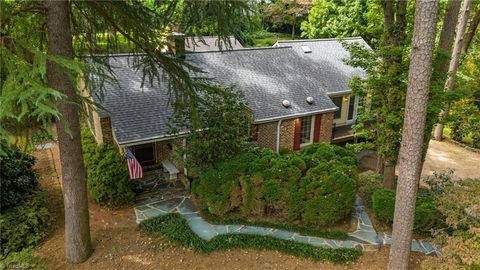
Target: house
<point>298,91</point>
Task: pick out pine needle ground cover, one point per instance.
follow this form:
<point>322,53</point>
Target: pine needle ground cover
<point>176,229</point>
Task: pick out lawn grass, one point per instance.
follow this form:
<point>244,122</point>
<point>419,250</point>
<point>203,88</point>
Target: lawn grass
<point>308,231</point>
<point>267,39</point>
<point>176,229</point>
<point>467,139</point>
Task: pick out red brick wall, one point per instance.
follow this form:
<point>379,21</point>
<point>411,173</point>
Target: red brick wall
<point>266,136</point>
<point>326,128</point>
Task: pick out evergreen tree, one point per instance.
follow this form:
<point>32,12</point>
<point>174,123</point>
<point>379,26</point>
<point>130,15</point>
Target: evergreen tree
<point>42,46</point>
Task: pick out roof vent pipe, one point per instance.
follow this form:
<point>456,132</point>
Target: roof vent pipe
<point>309,100</point>
<point>286,103</point>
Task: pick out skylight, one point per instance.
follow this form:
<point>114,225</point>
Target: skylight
<point>306,49</point>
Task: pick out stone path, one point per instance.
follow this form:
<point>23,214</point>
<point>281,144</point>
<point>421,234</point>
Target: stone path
<point>364,238</point>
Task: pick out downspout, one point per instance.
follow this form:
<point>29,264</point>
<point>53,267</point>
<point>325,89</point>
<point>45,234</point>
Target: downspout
<point>185,172</point>
<point>278,135</point>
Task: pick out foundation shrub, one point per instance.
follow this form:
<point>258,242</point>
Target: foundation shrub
<point>316,186</point>
<point>107,173</point>
<point>427,216</point>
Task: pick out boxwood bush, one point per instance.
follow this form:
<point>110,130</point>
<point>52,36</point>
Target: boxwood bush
<point>24,225</point>
<point>107,173</point>
<point>316,186</point>
<point>24,218</point>
<point>17,177</point>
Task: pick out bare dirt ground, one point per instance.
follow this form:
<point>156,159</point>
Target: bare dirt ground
<point>118,243</point>
<point>446,155</point>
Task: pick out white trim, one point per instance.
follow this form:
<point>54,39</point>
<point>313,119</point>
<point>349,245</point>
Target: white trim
<point>153,139</point>
<point>266,120</point>
<point>317,39</point>
<point>355,110</point>
<point>312,131</point>
<point>339,93</point>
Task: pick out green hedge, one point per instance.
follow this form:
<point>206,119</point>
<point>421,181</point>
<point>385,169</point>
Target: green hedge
<point>427,216</point>
<point>176,229</point>
<point>107,173</point>
<point>24,259</point>
<point>24,225</point>
<point>316,186</point>
<point>17,177</point>
<point>310,231</point>
<point>368,183</point>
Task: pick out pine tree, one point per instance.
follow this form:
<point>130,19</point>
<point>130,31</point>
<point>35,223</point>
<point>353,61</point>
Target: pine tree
<point>39,85</point>
<point>410,158</point>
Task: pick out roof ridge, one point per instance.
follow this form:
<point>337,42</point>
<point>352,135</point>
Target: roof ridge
<point>318,39</point>
<point>243,49</point>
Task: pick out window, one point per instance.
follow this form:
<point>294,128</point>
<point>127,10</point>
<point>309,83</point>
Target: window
<point>144,153</point>
<point>338,101</point>
<point>351,107</point>
<point>306,130</point>
<point>90,119</point>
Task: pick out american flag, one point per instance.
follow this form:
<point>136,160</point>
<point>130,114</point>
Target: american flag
<point>134,168</point>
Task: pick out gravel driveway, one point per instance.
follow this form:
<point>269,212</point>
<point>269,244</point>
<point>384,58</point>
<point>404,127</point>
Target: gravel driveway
<point>445,155</point>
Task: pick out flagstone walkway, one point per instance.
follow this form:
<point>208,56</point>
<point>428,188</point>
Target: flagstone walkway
<point>364,238</point>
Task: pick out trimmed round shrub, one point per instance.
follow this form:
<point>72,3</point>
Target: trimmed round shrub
<point>24,225</point>
<point>317,186</point>
<point>17,177</point>
<point>331,192</point>
<point>383,201</point>
<point>107,174</point>
<point>368,183</point>
<point>427,216</point>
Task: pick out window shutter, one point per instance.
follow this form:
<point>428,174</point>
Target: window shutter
<point>316,128</point>
<point>296,138</point>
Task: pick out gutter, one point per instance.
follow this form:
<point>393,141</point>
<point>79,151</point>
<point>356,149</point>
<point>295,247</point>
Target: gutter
<point>266,120</point>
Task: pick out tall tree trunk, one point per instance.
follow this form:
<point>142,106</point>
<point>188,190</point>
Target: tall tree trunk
<point>453,67</point>
<point>410,159</point>
<point>472,30</point>
<point>389,176</point>
<point>77,229</point>
<point>447,36</point>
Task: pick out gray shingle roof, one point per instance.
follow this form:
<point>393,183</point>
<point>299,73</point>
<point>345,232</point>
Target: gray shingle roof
<point>266,76</point>
<point>136,113</point>
<point>328,54</point>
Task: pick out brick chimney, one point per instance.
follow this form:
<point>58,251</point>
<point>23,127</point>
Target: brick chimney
<point>176,44</point>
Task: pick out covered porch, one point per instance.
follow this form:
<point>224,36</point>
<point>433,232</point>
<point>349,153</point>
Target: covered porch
<point>343,133</point>
<point>164,175</point>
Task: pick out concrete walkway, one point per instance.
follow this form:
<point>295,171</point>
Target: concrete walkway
<point>364,238</point>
